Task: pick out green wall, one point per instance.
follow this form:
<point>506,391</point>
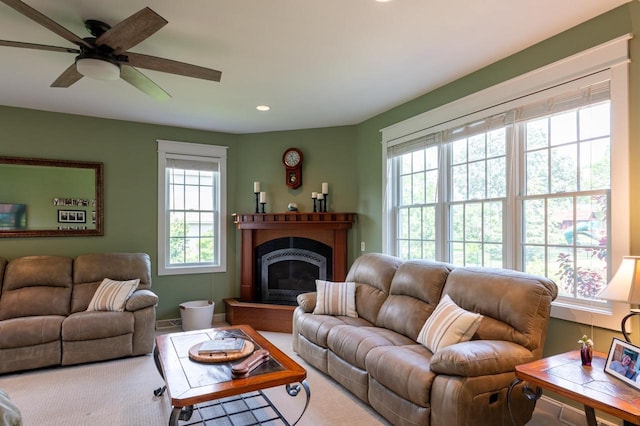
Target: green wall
<point>129,153</point>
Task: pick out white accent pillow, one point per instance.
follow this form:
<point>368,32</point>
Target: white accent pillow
<point>112,295</point>
<point>448,324</point>
<point>335,299</point>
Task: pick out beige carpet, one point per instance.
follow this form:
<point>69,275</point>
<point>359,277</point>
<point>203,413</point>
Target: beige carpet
<point>120,393</point>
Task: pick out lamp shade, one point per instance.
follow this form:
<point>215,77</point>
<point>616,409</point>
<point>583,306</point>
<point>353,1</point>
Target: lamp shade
<point>98,69</point>
<point>625,284</point>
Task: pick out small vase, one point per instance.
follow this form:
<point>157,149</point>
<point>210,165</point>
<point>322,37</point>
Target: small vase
<point>586,355</point>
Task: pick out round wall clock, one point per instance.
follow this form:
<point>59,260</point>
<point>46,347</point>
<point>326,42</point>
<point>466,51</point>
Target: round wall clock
<point>292,160</point>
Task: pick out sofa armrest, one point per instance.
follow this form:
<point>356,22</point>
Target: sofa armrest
<point>479,358</point>
<point>307,301</point>
<point>141,299</point>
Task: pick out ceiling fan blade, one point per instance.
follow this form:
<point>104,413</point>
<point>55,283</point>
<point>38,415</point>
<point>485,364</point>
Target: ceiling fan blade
<point>132,30</point>
<point>46,22</point>
<point>38,46</point>
<point>173,67</point>
<point>68,77</point>
<point>143,83</point>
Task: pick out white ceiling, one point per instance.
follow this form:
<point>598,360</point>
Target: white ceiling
<point>316,63</point>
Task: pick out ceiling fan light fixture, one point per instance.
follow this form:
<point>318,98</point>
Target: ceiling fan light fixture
<point>98,69</point>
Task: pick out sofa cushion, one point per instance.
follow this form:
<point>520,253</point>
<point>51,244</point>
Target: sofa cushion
<point>405,370</point>
<point>524,303</point>
<point>90,325</point>
<point>36,285</point>
<point>112,295</point>
<point>30,331</point>
<point>90,269</point>
<point>335,299</point>
<point>372,274</point>
<point>448,324</point>
<point>315,328</point>
<point>352,343</point>
<point>414,293</point>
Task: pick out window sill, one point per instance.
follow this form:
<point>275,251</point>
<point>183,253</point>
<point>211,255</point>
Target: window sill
<point>591,315</point>
<point>187,270</point>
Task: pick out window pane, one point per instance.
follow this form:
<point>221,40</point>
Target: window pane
<point>564,128</point>
<point>496,178</point>
<point>591,274</point>
<point>405,190</point>
<point>595,164</point>
<point>560,221</point>
<point>418,161</point>
<point>537,134</point>
<point>459,176</point>
<point>432,187</point>
<point>415,222</point>
<point>457,222</point>
<point>192,198</point>
<point>534,260</point>
<point>431,154</point>
<point>457,253</point>
<point>496,143</point>
<point>459,151</point>
<point>561,270</point>
<point>473,254</point>
<point>537,181</point>
<point>477,147</point>
<point>429,223</point>
<point>564,161</point>
<point>534,221</point>
<point>595,121</point>
<point>403,223</point>
<point>477,180</point>
<point>493,256</point>
<point>418,188</point>
<point>493,222</point>
<point>473,222</point>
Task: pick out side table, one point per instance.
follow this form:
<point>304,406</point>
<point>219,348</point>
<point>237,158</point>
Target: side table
<point>565,375</point>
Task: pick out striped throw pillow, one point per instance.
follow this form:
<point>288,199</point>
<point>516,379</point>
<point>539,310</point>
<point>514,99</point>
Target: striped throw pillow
<point>335,299</point>
<point>448,324</point>
<point>112,295</point>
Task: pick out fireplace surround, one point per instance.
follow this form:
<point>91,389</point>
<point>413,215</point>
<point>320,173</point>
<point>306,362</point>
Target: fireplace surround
<point>282,254</point>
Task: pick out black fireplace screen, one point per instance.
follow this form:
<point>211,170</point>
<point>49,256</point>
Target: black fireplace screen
<point>286,267</point>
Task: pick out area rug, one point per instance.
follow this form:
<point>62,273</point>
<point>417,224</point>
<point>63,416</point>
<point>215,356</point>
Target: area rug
<point>120,392</point>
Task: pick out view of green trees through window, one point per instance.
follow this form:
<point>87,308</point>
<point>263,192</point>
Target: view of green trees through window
<point>191,216</point>
<point>532,195</point>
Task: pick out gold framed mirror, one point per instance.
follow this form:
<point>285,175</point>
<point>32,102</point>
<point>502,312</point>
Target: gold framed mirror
<point>50,198</point>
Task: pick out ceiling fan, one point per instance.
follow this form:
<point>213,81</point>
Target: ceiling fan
<point>105,56</point>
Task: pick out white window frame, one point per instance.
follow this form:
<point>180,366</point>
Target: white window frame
<point>611,58</point>
<point>203,151</point>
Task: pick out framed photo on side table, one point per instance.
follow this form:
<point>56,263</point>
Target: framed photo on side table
<point>623,362</point>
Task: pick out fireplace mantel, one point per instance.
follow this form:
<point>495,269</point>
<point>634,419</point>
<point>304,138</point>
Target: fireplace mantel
<point>256,228</point>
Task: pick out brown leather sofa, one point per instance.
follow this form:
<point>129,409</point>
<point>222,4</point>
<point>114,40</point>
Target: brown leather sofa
<point>376,356</point>
<point>43,310</point>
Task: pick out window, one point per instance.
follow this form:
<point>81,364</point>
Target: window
<point>524,183</point>
<point>191,208</point>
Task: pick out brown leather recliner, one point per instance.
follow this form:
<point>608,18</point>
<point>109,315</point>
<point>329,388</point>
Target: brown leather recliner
<point>377,358</point>
<point>43,310</point>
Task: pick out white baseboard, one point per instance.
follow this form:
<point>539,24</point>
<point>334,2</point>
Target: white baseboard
<point>565,414</point>
<point>177,322</point>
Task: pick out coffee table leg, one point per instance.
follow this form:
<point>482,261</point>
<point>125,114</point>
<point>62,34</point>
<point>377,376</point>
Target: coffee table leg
<point>294,390</point>
<point>180,413</point>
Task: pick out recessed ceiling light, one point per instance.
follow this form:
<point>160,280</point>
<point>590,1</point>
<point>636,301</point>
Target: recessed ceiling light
<point>263,107</point>
<point>383,1</point>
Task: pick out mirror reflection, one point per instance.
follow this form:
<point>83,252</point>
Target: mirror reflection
<point>40,197</point>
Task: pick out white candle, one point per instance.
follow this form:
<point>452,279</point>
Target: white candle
<point>325,188</point>
<point>314,195</point>
<point>256,187</point>
<point>320,196</point>
<point>263,197</point>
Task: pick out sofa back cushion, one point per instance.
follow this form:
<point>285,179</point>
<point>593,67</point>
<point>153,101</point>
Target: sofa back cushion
<point>372,274</point>
<point>515,305</point>
<point>36,285</point>
<point>90,269</point>
<point>414,293</point>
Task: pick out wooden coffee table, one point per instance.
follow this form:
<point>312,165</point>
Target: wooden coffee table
<point>189,382</point>
<point>590,386</point>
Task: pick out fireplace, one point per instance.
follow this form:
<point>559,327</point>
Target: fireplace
<point>282,254</point>
<point>287,267</point>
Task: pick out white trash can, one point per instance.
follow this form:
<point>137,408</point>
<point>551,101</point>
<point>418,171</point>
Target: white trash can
<point>196,315</point>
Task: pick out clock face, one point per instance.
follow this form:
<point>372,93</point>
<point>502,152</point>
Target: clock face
<point>292,158</point>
